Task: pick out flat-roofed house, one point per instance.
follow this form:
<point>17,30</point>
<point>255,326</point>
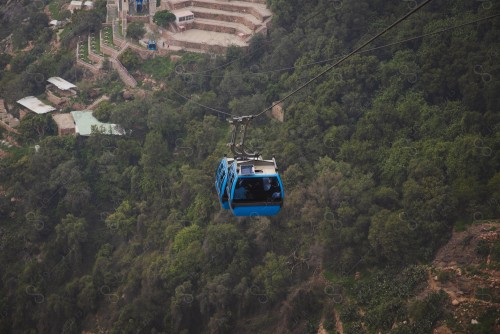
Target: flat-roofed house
<point>65,124</point>
<point>62,86</point>
<point>183,16</point>
<point>31,103</point>
<point>58,90</point>
<point>85,122</point>
<point>73,5</point>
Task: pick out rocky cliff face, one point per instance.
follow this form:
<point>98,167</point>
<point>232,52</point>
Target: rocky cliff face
<point>467,269</point>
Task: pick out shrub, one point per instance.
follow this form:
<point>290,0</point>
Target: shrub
<point>135,30</point>
<point>163,18</point>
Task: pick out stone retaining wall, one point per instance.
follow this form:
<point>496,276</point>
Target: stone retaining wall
<point>7,121</point>
<point>123,73</point>
<point>143,52</point>
<point>231,8</point>
<point>88,66</point>
<point>108,50</point>
<point>214,27</point>
<point>54,98</point>
<point>118,40</point>
<point>227,6</point>
<point>95,57</point>
<point>226,17</point>
<point>8,128</point>
<point>218,49</point>
<point>142,18</point>
<point>263,29</point>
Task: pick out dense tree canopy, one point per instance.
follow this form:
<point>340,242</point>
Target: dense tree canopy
<point>381,159</point>
<point>163,18</point>
<point>135,30</point>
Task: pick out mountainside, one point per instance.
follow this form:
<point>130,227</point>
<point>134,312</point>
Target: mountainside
<point>467,269</point>
<point>390,164</point>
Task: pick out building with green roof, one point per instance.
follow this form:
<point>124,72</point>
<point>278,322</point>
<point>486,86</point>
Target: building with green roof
<point>85,122</point>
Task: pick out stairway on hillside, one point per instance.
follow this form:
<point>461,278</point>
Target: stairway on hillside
<point>123,73</point>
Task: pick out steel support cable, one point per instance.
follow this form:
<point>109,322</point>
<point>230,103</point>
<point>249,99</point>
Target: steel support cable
<point>360,52</point>
<point>352,53</point>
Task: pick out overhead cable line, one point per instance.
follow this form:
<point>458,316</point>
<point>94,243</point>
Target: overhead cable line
<point>228,63</point>
<point>201,105</point>
<point>360,52</point>
<point>247,55</point>
<point>404,17</point>
<point>363,51</point>
<point>345,57</point>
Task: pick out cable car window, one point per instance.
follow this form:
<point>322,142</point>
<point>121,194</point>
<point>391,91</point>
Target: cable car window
<point>257,189</point>
<point>222,176</point>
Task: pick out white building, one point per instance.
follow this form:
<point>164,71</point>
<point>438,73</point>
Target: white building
<point>33,104</point>
<point>85,122</point>
<point>62,85</point>
<point>183,16</point>
<point>73,5</point>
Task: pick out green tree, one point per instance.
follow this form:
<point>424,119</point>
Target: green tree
<point>163,18</point>
<point>272,276</point>
<point>391,236</point>
<point>135,30</point>
<point>67,176</point>
<point>154,158</point>
<point>103,111</point>
<point>71,233</point>
<point>34,126</point>
<point>129,59</point>
<point>123,220</point>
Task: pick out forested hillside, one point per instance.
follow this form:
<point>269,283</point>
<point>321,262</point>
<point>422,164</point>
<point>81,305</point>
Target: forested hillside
<point>382,159</point>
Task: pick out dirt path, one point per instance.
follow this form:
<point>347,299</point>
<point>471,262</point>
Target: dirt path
<point>338,323</point>
<point>431,282</point>
<point>321,329</point>
<point>96,102</point>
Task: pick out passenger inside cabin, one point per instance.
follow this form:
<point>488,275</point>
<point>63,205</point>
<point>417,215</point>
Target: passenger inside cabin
<point>274,189</point>
<point>240,192</point>
<point>257,189</point>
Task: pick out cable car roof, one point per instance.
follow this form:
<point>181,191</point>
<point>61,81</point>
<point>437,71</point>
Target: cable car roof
<point>256,167</point>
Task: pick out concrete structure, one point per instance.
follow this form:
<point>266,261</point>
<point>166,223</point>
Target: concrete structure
<point>183,16</point>
<point>85,122</point>
<point>217,24</point>
<point>7,121</point>
<point>201,25</point>
<point>65,124</point>
<point>31,103</point>
<point>62,85</point>
<point>59,90</point>
<point>73,5</point>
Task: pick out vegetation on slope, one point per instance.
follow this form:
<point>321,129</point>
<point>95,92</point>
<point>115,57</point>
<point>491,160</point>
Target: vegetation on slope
<point>381,159</point>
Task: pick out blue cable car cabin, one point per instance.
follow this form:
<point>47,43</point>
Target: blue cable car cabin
<point>138,4</point>
<point>253,187</point>
<point>152,45</point>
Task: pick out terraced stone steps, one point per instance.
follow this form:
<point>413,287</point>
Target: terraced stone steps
<point>247,20</point>
<point>258,11</point>
<point>214,20</point>
<point>219,26</point>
